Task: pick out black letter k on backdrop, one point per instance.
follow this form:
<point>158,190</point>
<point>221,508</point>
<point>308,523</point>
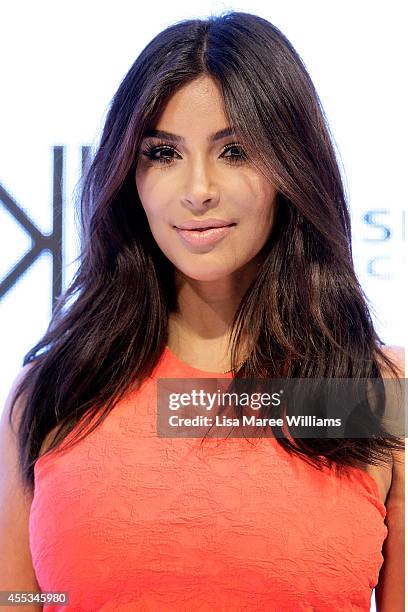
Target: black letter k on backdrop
<point>40,241</point>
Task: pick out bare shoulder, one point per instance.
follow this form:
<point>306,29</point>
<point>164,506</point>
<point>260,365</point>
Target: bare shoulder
<point>383,475</point>
<point>397,355</point>
<point>390,590</point>
<point>16,569</point>
<point>19,406</point>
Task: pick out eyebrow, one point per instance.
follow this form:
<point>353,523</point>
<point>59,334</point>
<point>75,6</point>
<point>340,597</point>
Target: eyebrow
<point>228,131</point>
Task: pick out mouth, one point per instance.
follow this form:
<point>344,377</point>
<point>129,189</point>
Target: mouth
<point>204,237</point>
<point>199,225</point>
<point>205,229</point>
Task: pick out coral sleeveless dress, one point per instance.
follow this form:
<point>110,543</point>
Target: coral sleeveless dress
<point>126,520</point>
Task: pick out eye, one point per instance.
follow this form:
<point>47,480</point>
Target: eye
<point>163,153</point>
<point>234,159</point>
<point>151,153</point>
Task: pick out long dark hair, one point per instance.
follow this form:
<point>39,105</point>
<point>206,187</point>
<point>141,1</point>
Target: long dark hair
<point>306,311</point>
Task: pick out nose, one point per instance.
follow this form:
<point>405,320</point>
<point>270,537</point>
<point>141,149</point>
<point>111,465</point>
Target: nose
<point>201,192</point>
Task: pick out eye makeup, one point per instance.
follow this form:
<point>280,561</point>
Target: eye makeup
<point>151,152</point>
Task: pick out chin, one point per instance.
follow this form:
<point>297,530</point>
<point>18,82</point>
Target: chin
<point>205,275</point>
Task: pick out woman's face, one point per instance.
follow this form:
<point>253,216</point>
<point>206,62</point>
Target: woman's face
<point>189,177</point>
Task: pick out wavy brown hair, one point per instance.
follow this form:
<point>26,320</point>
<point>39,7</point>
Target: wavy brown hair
<point>306,311</point>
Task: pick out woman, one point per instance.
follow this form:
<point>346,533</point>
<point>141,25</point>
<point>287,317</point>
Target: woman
<point>217,123</point>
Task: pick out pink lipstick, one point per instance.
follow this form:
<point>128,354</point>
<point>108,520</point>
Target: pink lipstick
<point>204,237</point>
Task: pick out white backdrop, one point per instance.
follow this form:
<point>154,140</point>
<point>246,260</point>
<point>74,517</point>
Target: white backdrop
<point>62,62</point>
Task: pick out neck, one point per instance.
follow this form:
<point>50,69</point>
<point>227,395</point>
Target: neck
<point>199,331</point>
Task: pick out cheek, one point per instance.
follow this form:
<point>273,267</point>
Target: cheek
<point>257,196</point>
<point>151,198</point>
<point>262,214</point>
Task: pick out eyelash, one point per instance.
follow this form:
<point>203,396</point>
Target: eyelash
<point>151,150</point>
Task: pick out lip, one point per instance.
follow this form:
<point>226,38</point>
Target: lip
<point>206,237</point>
<point>193,224</point>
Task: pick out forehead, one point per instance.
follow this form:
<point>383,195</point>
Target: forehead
<point>197,108</point>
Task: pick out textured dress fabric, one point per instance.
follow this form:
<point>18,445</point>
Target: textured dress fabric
<point>126,520</point>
